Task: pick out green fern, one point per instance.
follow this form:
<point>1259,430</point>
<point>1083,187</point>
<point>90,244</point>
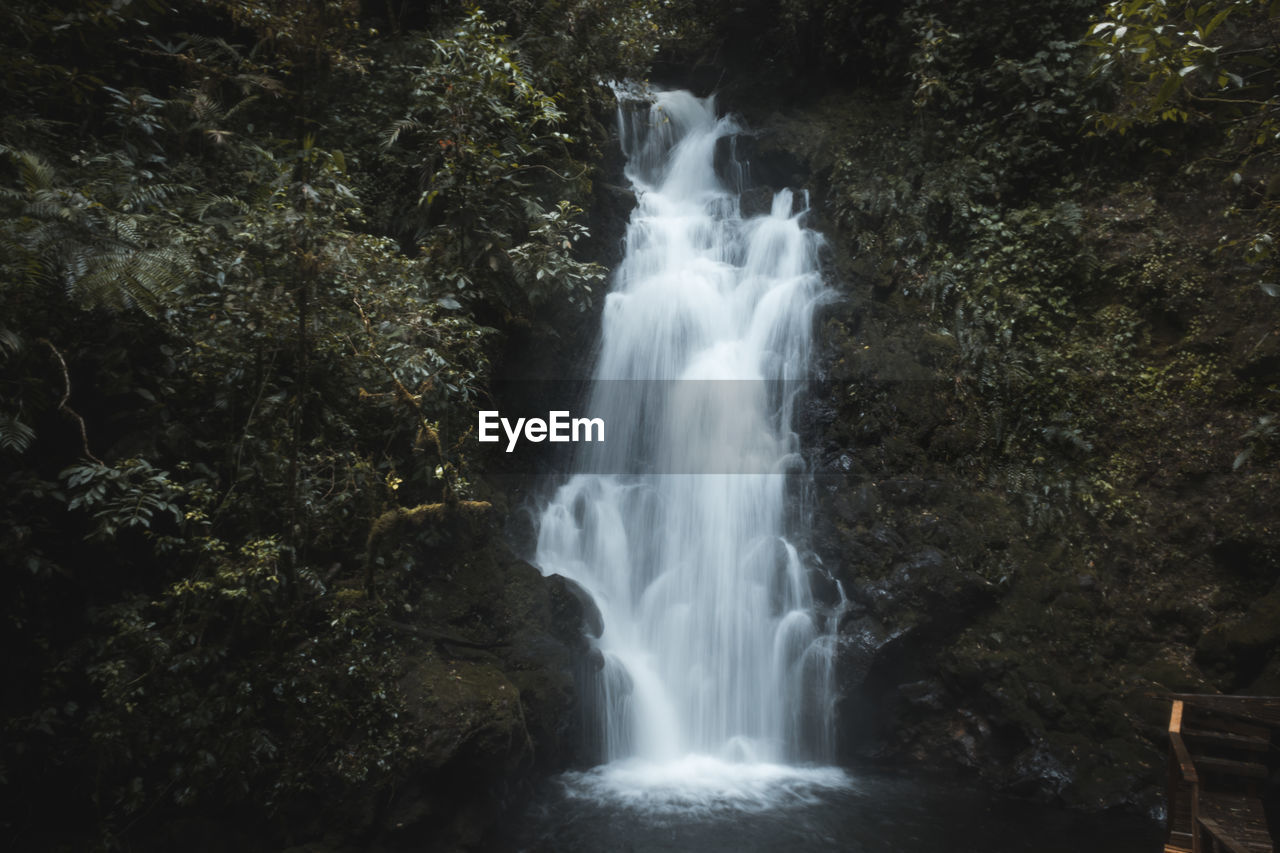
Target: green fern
<point>15,436</point>
<point>94,240</point>
<point>126,279</point>
<point>206,203</point>
<point>10,342</point>
<point>34,173</point>
<point>155,196</point>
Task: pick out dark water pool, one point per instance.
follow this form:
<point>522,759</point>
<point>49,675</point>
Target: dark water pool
<point>867,814</point>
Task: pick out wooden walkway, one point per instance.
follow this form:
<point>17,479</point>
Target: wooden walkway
<point>1220,752</point>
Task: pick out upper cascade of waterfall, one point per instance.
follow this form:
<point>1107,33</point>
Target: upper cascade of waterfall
<point>712,642</point>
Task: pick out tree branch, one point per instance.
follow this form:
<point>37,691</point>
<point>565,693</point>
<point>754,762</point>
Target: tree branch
<point>66,395</point>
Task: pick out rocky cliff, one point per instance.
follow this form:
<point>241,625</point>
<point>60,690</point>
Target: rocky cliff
<point>1043,470</point>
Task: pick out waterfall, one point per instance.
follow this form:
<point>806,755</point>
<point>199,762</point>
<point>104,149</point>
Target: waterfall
<point>680,526</point>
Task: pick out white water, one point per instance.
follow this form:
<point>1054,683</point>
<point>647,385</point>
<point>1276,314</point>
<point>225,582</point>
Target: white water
<point>717,673</point>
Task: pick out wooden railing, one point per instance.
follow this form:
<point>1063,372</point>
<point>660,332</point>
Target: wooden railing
<point>1184,787</point>
<point>1219,751</point>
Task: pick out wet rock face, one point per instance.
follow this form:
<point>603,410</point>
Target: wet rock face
<point>492,688</point>
<point>571,604</point>
<point>770,164</point>
<point>908,598</point>
<point>970,640</point>
<point>967,641</point>
<point>1238,652</point>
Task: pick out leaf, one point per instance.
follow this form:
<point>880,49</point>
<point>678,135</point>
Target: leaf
<point>1217,19</point>
<point>1170,86</point>
<point>15,435</point>
<point>9,340</point>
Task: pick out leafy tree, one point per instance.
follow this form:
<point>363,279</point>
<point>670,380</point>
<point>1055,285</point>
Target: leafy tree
<point>489,151</point>
<point>236,329</point>
<point>1205,64</point>
<point>1179,60</point>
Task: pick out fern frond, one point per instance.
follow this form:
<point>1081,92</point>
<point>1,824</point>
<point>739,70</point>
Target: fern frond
<point>244,102</point>
<point>213,46</point>
<point>126,228</point>
<point>207,202</point>
<point>261,82</point>
<point>399,128</point>
<point>11,249</point>
<point>15,436</point>
<point>308,578</point>
<point>48,208</point>
<point>10,341</point>
<point>34,172</point>
<point>155,195</point>
<point>74,265</point>
<point>142,279</point>
<point>205,107</point>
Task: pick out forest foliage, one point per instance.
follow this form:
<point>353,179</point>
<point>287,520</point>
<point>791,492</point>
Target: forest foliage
<point>1070,205</point>
<point>257,258</point>
<point>986,208</point>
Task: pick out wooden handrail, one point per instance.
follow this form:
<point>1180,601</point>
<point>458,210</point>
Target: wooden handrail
<point>1222,836</point>
<point>1189,773</point>
<point>1231,737</point>
<point>1259,709</point>
<point>1187,770</point>
<point>1179,747</point>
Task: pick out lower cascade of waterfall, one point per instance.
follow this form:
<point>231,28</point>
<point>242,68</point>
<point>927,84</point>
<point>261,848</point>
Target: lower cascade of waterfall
<point>716,682</point>
<point>874,814</point>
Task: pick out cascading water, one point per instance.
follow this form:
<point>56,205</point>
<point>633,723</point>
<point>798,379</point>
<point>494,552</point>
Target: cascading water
<point>716,689</point>
<point>715,660</point>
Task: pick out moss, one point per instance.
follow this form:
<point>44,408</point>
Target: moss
<point>451,519</point>
<point>1174,676</point>
<point>348,596</point>
<point>469,711</point>
<point>1237,651</point>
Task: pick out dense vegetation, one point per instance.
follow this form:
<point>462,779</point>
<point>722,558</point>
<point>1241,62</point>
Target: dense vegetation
<point>1058,357</point>
<point>258,259</point>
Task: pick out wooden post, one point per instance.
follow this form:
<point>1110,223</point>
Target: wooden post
<point>1184,773</point>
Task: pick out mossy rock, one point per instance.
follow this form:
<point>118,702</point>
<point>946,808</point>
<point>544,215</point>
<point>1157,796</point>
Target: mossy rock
<point>1236,652</point>
<point>470,713</point>
<point>1174,676</point>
